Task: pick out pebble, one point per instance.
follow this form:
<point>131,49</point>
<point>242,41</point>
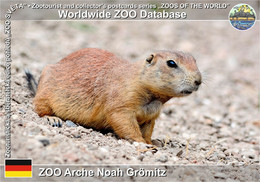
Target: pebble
<point>110,134</point>
<point>174,144</point>
<point>15,117</point>
<point>141,157</point>
<point>168,111</point>
<point>43,139</point>
<point>84,130</point>
<point>44,128</point>
<point>75,134</point>
<point>70,124</point>
<point>149,153</point>
<point>34,131</point>
<point>227,153</point>
<point>136,144</point>
<point>212,158</point>
<point>102,153</point>
<point>92,146</point>
<point>45,142</point>
<point>157,143</point>
<point>206,101</point>
<point>233,125</point>
<point>179,154</point>
<point>174,158</point>
<point>128,144</point>
<point>66,133</point>
<point>162,158</point>
<point>21,111</point>
<point>221,155</point>
<point>248,154</point>
<point>225,132</point>
<point>220,175</point>
<point>57,160</point>
<point>204,145</point>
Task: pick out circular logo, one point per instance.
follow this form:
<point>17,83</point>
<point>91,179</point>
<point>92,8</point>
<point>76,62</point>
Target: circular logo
<point>242,16</point>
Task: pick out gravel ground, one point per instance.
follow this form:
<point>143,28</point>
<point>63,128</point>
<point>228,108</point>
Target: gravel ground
<point>218,125</point>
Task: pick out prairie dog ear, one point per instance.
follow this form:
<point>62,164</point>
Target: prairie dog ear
<point>150,59</point>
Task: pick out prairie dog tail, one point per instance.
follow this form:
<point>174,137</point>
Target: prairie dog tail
<point>31,83</point>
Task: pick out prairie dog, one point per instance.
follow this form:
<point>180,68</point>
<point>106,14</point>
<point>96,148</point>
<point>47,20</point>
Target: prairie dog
<point>95,88</point>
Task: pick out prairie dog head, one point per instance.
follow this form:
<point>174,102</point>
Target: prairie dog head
<point>173,74</point>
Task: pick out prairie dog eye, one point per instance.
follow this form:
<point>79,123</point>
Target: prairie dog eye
<point>172,64</point>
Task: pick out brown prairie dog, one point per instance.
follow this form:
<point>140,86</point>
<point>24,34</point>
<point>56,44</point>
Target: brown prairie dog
<point>95,88</point>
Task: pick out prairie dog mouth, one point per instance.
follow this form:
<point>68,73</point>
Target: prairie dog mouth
<point>186,92</point>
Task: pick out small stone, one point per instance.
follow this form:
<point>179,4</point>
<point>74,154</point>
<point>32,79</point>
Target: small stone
<point>75,134</point>
<point>248,154</point>
<point>92,147</point>
<point>221,155</point>
<point>34,131</point>
<point>220,175</point>
<point>21,111</point>
<point>45,142</point>
<point>136,144</point>
<point>102,153</point>
<point>175,158</point>
<point>149,153</point>
<point>111,134</point>
<point>20,123</point>
<point>15,117</point>
<point>70,124</point>
<point>103,150</point>
<point>66,133</point>
<point>212,158</point>
<point>227,153</point>
<point>125,156</point>
<point>84,130</point>
<point>204,145</point>
<point>141,157</point>
<point>168,111</point>
<point>206,101</point>
<point>43,139</point>
<point>179,153</point>
<point>100,135</point>
<point>157,143</point>
<point>251,156</point>
<point>44,128</point>
<point>162,158</point>
<point>233,125</point>
<point>225,132</point>
<point>57,160</point>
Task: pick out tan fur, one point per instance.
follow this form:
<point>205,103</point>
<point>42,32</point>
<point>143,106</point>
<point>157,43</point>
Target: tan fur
<point>94,88</point>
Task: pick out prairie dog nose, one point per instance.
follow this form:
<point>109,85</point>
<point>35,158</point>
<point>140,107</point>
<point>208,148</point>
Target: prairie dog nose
<point>197,82</point>
<point>198,79</point>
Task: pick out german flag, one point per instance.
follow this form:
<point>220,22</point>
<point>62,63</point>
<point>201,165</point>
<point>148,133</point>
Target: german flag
<point>18,168</point>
